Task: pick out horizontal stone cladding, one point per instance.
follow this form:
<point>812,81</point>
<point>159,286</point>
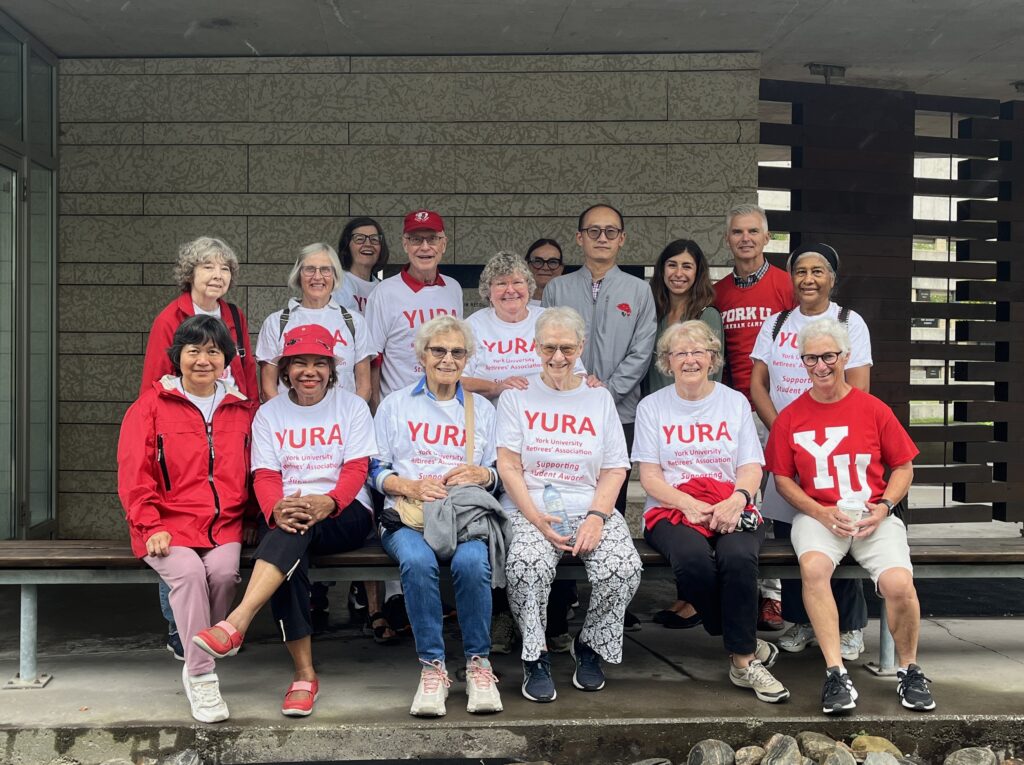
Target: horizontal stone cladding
<point>271,154</point>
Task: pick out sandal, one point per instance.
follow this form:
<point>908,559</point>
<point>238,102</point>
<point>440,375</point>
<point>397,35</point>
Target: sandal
<point>216,647</point>
<point>383,634</point>
<point>300,707</point>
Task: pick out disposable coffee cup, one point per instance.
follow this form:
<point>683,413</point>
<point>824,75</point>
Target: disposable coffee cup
<point>854,508</point>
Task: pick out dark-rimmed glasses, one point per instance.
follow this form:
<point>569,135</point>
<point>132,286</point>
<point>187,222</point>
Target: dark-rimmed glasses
<point>594,232</point>
<point>810,360</point>
<point>544,264</point>
<point>439,353</point>
<point>433,239</point>
<point>374,239</point>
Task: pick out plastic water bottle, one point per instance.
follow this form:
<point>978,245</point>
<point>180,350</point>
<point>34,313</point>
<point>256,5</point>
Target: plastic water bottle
<point>554,505</point>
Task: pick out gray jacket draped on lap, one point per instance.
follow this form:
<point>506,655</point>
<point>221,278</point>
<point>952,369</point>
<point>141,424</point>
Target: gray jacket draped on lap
<point>468,512</point>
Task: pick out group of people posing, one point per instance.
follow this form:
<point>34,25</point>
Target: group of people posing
<point>502,443</point>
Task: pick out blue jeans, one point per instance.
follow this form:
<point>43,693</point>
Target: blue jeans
<point>471,575</point>
<point>165,607</point>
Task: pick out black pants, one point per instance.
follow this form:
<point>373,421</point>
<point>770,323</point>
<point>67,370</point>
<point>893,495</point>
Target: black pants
<point>718,576</point>
<point>849,595</point>
<point>290,554</point>
<point>620,501</point>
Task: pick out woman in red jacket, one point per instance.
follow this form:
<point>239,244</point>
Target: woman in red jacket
<point>183,463</point>
<point>205,269</point>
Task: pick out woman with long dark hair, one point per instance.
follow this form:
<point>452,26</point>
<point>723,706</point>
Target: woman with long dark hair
<point>682,291</point>
<point>363,251</point>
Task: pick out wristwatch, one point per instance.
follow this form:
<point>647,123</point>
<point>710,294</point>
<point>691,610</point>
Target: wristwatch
<point>888,503</point>
<point>746,495</point>
<point>603,516</point>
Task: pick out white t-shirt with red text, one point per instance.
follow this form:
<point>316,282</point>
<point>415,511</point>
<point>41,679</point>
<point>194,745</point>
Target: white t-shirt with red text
<point>711,437</point>
<point>308,445</point>
<point>787,375</point>
<point>504,349</point>
<point>425,438</point>
<point>354,292</point>
<point>394,311</point>
<point>838,450</point>
<point>565,438</point>
<point>350,350</point>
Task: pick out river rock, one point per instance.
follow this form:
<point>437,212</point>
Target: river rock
<point>913,759</point>
<point>840,755</point>
<point>880,758</point>
<point>752,755</point>
<point>711,751</point>
<point>863,745</point>
<point>653,761</point>
<point>185,757</point>
<point>815,745</point>
<point>782,750</point>
<point>974,755</point>
<point>1009,761</point>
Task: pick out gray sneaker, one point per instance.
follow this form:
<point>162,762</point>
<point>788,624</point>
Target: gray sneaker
<point>560,643</point>
<point>503,632</point>
<point>766,653</point>
<point>757,677</point>
<point>851,644</point>
<point>797,638</point>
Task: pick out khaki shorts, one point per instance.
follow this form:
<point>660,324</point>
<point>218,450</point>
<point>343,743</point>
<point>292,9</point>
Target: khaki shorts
<point>886,548</point>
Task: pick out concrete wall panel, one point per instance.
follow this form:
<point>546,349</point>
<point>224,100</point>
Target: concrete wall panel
<point>184,169</point>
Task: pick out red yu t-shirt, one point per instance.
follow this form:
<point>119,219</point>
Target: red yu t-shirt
<point>838,450</point>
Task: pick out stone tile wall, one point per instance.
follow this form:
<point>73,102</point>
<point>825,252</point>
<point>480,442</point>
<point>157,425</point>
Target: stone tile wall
<point>271,154</point>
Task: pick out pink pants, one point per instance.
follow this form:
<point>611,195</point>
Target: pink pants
<point>203,584</point>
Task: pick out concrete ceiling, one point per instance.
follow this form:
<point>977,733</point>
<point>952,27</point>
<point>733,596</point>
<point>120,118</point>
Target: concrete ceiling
<point>950,47</point>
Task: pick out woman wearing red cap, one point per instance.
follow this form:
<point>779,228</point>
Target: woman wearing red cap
<point>309,457</point>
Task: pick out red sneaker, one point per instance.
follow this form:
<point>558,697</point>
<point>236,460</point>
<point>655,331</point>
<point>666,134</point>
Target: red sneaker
<point>770,616</point>
<point>216,647</point>
<point>300,707</point>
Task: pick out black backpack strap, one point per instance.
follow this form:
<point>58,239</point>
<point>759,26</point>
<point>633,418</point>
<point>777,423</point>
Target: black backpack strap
<point>236,316</point>
<point>284,321</point>
<point>779,321</point>
<point>348,321</point>
<point>844,315</point>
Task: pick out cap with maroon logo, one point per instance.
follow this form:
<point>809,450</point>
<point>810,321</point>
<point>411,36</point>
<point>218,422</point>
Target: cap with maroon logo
<point>308,340</point>
<point>423,219</point>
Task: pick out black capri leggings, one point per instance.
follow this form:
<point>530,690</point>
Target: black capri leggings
<point>290,554</point>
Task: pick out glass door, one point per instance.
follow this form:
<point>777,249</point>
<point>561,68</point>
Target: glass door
<point>9,187</point>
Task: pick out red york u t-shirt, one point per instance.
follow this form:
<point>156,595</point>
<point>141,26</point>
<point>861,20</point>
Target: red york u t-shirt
<point>838,450</point>
<point>744,310</point>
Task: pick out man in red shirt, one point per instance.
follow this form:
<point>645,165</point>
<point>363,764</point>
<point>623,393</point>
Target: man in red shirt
<point>750,294</point>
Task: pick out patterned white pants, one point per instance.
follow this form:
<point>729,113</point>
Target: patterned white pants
<point>613,569</point>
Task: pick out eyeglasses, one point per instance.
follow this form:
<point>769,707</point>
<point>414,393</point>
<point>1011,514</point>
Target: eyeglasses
<point>811,359</point>
<point>314,270</point>
<point>594,232</point>
<point>439,353</point>
<point>550,264</point>
<point>567,350</point>
<point>433,240</point>
<point>374,239</point>
<point>698,355</point>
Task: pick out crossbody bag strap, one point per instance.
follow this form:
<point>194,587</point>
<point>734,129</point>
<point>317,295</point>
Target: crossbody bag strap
<point>467,403</point>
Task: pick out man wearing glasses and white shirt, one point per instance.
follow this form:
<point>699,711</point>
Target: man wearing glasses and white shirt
<point>414,296</point>
<point>618,310</point>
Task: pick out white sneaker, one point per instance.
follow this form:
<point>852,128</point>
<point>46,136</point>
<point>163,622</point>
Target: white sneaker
<point>797,638</point>
<point>851,644</point>
<point>757,677</point>
<point>481,686</point>
<point>432,691</point>
<point>203,694</point>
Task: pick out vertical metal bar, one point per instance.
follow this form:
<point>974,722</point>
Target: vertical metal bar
<point>29,631</point>
<point>886,646</point>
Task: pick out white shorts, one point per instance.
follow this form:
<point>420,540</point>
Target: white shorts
<point>886,548</point>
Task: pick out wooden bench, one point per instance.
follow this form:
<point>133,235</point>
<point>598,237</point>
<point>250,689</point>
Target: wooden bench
<point>30,563</point>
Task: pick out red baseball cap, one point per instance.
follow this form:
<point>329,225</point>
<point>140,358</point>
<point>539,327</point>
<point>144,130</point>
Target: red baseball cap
<point>308,340</point>
<point>422,219</point>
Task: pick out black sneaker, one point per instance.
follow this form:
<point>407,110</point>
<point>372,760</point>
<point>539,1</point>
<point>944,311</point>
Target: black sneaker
<point>838,694</point>
<point>537,683</point>
<point>588,675</point>
<point>631,622</point>
<point>178,650</point>
<point>913,689</point>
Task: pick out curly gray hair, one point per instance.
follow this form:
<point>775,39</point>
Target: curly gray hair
<point>202,250</point>
<point>505,263</point>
